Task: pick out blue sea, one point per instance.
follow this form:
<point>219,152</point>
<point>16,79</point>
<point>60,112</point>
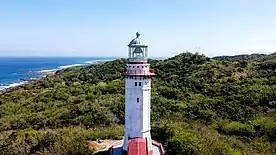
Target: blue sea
<point>14,69</point>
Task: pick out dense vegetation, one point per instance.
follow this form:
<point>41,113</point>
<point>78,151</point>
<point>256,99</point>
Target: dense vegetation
<point>240,57</point>
<point>199,106</point>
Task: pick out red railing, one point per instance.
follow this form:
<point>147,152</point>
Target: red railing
<point>139,72</point>
<point>130,72</point>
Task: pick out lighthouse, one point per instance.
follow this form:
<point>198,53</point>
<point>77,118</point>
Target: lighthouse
<point>138,74</point>
<point>137,93</point>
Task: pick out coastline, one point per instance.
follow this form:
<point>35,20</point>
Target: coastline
<point>45,73</point>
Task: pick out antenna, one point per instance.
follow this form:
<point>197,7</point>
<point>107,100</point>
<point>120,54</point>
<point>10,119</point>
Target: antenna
<point>197,49</point>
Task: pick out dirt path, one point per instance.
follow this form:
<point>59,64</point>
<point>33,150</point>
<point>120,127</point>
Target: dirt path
<point>100,145</point>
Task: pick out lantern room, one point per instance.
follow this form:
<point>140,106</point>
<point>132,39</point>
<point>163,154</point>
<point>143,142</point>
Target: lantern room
<point>138,50</point>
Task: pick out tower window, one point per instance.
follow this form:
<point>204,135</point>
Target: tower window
<point>137,99</point>
<point>142,66</point>
<point>137,66</point>
<point>133,67</point>
<point>135,83</point>
<point>139,83</point>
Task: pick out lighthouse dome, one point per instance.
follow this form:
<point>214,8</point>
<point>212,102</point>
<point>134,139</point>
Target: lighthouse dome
<point>137,41</point>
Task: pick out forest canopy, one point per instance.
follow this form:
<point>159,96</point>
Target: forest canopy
<point>200,105</point>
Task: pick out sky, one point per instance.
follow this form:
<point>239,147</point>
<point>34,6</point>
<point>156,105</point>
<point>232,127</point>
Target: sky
<point>105,27</point>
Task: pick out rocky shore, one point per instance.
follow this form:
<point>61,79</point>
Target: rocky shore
<point>44,73</point>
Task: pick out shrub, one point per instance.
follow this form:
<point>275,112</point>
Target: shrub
<point>206,115</point>
<point>184,143</point>
<point>162,133</point>
<point>260,144</point>
<point>225,149</point>
<point>114,132</point>
<point>238,128</point>
<point>265,126</point>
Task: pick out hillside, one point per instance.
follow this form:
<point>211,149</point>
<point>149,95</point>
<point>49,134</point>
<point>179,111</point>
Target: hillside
<point>199,106</point>
<point>240,57</point>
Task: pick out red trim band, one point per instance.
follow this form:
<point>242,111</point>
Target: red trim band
<point>137,62</point>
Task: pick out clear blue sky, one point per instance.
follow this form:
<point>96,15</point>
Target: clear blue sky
<point>105,27</point>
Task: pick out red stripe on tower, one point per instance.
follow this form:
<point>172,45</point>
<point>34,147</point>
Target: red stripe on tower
<point>137,62</point>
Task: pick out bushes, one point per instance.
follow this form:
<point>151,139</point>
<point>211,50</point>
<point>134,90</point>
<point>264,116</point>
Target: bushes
<point>70,141</point>
<point>260,144</point>
<point>206,115</point>
<point>98,117</point>
<point>225,149</point>
<point>162,133</point>
<point>239,129</point>
<point>169,93</point>
<point>113,132</point>
<point>59,141</point>
<point>184,143</point>
<point>265,126</point>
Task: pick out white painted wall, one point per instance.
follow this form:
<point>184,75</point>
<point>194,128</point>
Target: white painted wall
<point>137,115</point>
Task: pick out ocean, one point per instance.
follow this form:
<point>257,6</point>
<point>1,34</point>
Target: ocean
<point>14,69</point>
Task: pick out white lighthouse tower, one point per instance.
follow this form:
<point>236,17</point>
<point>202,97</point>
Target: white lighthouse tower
<point>137,93</point>
<point>138,74</point>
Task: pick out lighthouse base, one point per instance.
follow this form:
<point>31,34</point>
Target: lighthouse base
<point>136,149</point>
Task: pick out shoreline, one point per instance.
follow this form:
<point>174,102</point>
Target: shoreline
<point>45,73</point>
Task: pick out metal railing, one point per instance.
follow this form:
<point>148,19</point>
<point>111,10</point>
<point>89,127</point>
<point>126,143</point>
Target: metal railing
<point>137,59</point>
<point>139,72</point>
